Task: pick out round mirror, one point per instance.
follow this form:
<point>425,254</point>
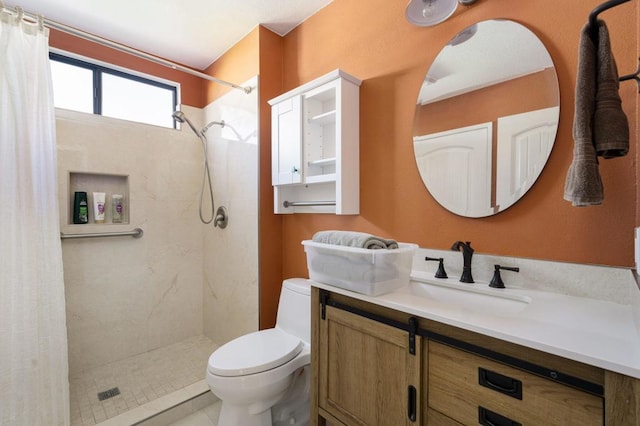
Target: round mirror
<point>486,118</point>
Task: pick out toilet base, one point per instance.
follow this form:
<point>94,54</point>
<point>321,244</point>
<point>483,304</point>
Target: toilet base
<point>294,407</point>
<point>233,415</point>
<point>290,407</point>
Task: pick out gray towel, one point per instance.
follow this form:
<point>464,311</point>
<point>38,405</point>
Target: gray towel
<point>583,186</point>
<point>610,125</point>
<point>354,239</point>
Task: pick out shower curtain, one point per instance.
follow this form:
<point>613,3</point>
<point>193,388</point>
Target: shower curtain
<point>34,387</point>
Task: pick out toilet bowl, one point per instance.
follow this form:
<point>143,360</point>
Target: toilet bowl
<point>262,378</point>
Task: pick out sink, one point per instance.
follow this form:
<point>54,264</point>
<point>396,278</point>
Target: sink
<point>478,297</point>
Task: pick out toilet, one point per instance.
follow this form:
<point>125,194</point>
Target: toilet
<point>263,378</point>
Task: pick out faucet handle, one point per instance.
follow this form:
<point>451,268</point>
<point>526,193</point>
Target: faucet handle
<point>440,273</point>
<point>496,281</point>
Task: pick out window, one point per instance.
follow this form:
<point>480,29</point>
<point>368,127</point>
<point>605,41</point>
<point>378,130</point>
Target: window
<point>88,87</point>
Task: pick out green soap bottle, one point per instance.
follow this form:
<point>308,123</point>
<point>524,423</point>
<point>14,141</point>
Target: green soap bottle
<point>80,208</point>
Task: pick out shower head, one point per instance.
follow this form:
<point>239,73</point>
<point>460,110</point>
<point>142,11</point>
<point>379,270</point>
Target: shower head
<point>213,123</point>
<point>181,118</point>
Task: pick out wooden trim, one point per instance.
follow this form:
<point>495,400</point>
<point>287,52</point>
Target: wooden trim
<point>622,400</point>
<point>436,418</point>
<point>316,418</point>
<point>425,411</point>
<point>329,420</point>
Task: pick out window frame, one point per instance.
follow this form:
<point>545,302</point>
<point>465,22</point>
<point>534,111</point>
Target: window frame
<point>98,69</point>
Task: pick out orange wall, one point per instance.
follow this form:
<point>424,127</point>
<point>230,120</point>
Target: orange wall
<point>484,105</point>
<point>236,65</point>
<point>376,44</point>
<point>270,226</point>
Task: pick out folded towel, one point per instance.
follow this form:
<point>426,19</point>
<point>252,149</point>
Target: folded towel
<point>354,239</point>
<point>610,125</point>
<point>583,186</point>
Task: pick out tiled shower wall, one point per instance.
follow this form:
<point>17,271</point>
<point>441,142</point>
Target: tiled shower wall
<point>125,296</point>
<point>230,290</point>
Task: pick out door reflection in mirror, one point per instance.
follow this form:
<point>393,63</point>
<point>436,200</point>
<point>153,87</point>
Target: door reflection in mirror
<point>486,118</point>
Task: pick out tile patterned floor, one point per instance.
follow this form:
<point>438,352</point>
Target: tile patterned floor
<point>140,379</point>
<point>207,416</point>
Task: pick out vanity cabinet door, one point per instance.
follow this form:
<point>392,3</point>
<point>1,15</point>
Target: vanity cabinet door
<point>366,374</point>
<point>475,390</point>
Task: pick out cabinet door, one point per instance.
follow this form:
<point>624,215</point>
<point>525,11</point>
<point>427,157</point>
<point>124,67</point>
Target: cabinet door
<point>286,142</point>
<point>366,374</point>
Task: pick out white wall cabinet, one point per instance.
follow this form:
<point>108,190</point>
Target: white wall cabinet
<point>315,146</point>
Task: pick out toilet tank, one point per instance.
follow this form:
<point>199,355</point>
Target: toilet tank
<point>294,308</point>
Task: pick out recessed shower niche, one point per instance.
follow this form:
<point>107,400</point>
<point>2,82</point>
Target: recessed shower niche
<point>110,184</point>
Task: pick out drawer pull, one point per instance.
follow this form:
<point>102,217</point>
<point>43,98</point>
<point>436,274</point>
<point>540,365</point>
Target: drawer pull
<point>411,406</point>
<point>497,382</point>
<point>489,418</point>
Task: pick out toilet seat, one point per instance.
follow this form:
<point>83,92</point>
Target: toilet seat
<point>255,352</point>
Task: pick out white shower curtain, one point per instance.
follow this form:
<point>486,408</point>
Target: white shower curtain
<point>34,387</point>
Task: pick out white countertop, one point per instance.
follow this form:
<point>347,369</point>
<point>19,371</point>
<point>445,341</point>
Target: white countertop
<point>596,332</point>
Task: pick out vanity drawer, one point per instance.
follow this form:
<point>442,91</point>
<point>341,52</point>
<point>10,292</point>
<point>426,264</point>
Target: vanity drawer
<point>508,396</point>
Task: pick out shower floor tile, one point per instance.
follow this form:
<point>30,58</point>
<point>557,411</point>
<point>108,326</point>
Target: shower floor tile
<point>140,379</point>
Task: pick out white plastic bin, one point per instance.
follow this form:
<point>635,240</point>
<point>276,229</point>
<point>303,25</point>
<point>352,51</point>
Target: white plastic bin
<point>367,271</point>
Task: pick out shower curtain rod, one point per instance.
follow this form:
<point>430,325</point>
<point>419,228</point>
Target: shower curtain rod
<point>108,43</point>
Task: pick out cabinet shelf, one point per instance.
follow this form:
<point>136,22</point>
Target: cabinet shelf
<point>329,177</point>
<point>323,162</point>
<point>324,118</point>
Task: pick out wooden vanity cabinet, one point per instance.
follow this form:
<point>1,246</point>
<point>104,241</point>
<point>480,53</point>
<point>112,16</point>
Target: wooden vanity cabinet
<point>376,366</point>
<point>367,375</point>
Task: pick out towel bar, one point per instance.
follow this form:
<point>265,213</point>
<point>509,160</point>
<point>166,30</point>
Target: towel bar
<point>288,204</point>
<point>635,76</point>
<point>593,16</point>
<point>135,233</point>
<point>593,23</point>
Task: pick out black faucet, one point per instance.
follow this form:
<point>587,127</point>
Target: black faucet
<point>496,281</point>
<point>467,252</point>
<point>440,273</point>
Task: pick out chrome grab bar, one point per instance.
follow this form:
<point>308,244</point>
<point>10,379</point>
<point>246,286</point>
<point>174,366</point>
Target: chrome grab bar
<point>135,233</point>
<point>288,204</point>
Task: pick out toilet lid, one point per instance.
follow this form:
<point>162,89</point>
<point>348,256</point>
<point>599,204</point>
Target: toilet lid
<point>254,353</point>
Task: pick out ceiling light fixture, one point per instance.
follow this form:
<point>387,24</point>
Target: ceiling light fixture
<point>425,13</point>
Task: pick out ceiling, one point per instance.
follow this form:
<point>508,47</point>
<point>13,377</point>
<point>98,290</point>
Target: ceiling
<point>484,54</point>
<point>191,32</point>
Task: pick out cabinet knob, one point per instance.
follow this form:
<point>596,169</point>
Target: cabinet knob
<point>294,169</point>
